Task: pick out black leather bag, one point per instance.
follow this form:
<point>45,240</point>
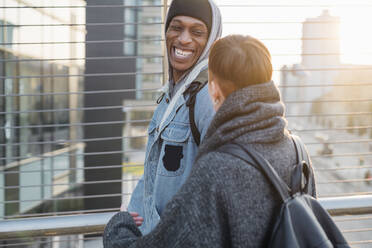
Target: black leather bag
<point>301,221</point>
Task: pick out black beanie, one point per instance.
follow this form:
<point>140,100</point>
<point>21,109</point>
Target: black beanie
<point>199,9</point>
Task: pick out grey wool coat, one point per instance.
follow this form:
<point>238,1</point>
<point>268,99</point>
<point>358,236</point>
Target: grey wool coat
<point>225,202</point>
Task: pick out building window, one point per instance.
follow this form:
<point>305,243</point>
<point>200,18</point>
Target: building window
<point>6,33</point>
<point>130,27</point>
<point>129,48</point>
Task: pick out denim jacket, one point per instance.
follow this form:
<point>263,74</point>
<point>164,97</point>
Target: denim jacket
<point>170,154</point>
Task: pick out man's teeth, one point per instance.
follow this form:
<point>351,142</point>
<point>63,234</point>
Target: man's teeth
<point>183,53</point>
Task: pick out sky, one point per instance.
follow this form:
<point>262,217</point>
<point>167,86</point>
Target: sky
<point>278,23</point>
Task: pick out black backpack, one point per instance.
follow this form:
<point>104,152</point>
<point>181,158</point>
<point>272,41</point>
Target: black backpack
<point>301,221</point>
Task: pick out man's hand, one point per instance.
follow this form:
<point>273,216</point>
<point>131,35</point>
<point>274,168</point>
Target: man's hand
<point>136,217</point>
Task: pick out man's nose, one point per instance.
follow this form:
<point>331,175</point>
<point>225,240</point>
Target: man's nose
<point>185,37</point>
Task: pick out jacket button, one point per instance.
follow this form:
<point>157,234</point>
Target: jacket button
<point>167,100</point>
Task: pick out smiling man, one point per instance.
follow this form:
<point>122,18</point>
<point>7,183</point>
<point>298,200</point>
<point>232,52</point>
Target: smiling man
<point>185,46</point>
<point>184,111</point>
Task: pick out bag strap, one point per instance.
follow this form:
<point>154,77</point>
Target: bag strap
<point>192,91</point>
<point>301,151</point>
<point>302,174</point>
<point>258,161</point>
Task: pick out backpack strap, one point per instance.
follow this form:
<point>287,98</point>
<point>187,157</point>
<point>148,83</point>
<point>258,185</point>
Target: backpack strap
<point>301,151</point>
<point>200,81</point>
<point>302,174</point>
<point>259,162</point>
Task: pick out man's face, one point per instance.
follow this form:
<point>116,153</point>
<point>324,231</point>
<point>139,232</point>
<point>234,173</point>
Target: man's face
<point>186,38</point>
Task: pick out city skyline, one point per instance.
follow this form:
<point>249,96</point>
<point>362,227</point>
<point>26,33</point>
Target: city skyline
<point>289,15</point>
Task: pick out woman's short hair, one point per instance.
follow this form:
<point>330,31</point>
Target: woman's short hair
<point>241,60</point>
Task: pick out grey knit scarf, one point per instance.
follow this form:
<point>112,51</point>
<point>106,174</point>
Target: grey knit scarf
<point>253,114</point>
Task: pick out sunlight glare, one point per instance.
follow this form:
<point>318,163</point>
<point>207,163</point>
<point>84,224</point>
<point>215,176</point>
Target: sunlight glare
<point>356,35</point>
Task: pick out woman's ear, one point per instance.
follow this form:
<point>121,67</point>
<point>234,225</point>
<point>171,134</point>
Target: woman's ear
<point>211,86</point>
<point>215,91</point>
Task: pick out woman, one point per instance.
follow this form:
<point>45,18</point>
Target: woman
<point>226,202</point>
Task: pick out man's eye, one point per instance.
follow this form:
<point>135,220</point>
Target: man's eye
<point>176,28</point>
<point>198,32</point>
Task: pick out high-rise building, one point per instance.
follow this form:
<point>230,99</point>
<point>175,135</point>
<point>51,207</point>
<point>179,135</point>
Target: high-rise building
<point>150,50</point>
<point>322,68</point>
<point>138,112</point>
<point>39,70</point>
<point>111,48</point>
<point>321,39</point>
<point>320,52</point>
<point>320,62</point>
<point>132,66</point>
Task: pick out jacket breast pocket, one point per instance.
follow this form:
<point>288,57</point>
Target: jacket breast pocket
<point>173,155</point>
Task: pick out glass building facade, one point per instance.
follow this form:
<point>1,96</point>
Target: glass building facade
<point>40,67</point>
